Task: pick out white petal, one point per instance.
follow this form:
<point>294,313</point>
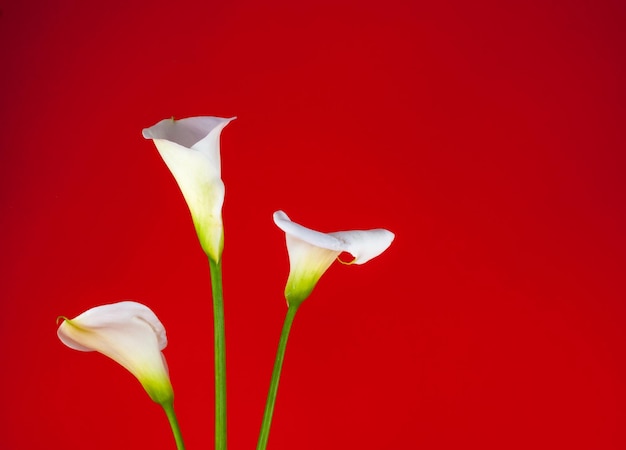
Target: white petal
<point>312,252</point>
<point>130,334</point>
<point>191,150</point>
<point>189,132</point>
<point>364,244</point>
<point>115,315</point>
<point>313,237</point>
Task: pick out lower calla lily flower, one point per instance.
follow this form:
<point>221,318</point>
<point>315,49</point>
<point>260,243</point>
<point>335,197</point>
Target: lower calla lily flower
<point>130,334</point>
<point>191,150</point>
<point>311,253</point>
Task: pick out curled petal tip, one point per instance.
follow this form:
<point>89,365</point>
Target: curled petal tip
<point>346,263</point>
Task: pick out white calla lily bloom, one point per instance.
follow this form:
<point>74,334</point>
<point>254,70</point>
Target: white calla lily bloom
<point>311,252</point>
<point>191,150</point>
<point>130,334</point>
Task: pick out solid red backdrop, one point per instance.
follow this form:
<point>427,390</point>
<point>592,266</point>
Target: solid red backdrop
<point>489,136</point>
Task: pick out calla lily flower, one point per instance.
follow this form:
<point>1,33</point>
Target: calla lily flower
<point>130,334</point>
<point>311,253</point>
<point>191,150</point>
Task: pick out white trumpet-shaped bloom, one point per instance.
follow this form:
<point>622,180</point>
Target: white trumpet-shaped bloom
<point>311,253</point>
<point>130,334</point>
<point>191,150</point>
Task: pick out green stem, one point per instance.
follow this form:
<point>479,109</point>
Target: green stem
<point>278,365</point>
<point>219,340</point>
<point>171,416</point>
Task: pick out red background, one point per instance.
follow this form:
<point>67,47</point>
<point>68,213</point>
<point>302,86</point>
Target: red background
<point>488,135</point>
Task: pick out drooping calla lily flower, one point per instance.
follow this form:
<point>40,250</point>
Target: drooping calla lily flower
<point>130,334</point>
<point>191,150</point>
<point>311,253</point>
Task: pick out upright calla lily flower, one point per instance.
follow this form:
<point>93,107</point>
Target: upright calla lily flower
<point>130,334</point>
<point>191,149</point>
<point>311,253</point>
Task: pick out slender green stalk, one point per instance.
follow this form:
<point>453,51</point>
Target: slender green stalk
<point>171,416</point>
<point>278,365</point>
<point>219,341</point>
